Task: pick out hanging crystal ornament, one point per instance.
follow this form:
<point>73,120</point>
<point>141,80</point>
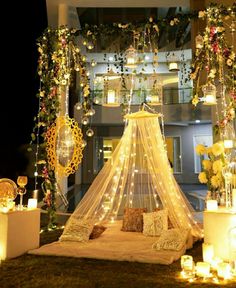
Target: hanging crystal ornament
<point>209,94</point>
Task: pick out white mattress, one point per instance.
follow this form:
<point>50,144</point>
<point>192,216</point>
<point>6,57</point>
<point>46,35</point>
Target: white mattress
<point>113,244</point>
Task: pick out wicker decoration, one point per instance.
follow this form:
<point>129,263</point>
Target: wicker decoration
<point>64,146</point>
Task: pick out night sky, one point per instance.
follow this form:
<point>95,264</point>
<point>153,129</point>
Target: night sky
<point>19,83</point>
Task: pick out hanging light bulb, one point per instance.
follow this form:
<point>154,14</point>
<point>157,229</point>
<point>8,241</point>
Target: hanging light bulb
<point>96,100</point>
<point>89,132</point>
<point>199,41</point>
<point>78,106</point>
<point>90,46</point>
<point>84,143</point>
<point>209,94</point>
<point>156,94</point>
<point>91,112</point>
<point>85,120</point>
<point>93,63</point>
<point>229,136</point>
<point>173,63</point>
<point>131,57</point>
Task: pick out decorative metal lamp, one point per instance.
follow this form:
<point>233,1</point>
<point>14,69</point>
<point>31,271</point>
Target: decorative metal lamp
<point>155,97</point>
<point>131,57</point>
<point>229,136</point>
<point>111,94</point>
<point>209,94</point>
<point>173,63</point>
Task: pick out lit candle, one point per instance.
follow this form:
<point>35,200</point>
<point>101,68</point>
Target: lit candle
<point>111,96</point>
<point>32,203</point>
<point>187,266</point>
<point>228,144</point>
<point>212,205</point>
<point>215,262</point>
<point>173,66</point>
<point>234,198</point>
<point>208,252</point>
<point>223,270</point>
<point>203,269</point>
<point>35,194</point>
<point>5,209</point>
<point>130,61</point>
<point>210,99</point>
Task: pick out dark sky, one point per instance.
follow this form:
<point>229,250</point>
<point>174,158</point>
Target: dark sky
<point>19,82</point>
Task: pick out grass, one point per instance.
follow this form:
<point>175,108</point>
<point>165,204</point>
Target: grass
<point>29,271</point>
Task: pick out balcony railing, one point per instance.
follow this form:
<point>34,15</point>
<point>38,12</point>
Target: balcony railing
<point>170,95</point>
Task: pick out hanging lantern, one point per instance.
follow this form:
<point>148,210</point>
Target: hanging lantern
<point>173,63</point>
<point>89,132</point>
<point>199,41</point>
<point>131,57</point>
<point>229,136</point>
<point>111,93</point>
<point>156,94</point>
<point>209,94</point>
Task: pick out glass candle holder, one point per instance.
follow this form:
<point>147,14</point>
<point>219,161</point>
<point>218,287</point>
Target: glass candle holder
<point>187,266</point>
<point>21,181</point>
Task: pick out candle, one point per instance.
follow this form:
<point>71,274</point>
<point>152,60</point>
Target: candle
<point>111,96</point>
<point>234,198</point>
<point>130,61</point>
<point>32,203</point>
<point>208,252</point>
<point>223,270</point>
<point>203,269</point>
<point>215,262</point>
<point>228,144</point>
<point>187,266</point>
<point>212,205</point>
<point>173,66</point>
<point>35,194</point>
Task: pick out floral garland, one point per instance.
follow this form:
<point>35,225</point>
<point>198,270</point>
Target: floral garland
<point>58,59</point>
<point>215,57</point>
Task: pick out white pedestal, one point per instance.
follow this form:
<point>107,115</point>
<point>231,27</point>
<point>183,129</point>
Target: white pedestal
<point>217,225</point>
<point>19,232</point>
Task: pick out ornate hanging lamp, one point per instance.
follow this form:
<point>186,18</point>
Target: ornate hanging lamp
<point>111,94</point>
<point>131,57</point>
<point>173,63</point>
<point>155,96</point>
<point>209,94</point>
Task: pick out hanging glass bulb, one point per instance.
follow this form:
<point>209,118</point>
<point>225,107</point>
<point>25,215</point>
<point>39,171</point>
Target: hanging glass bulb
<point>93,63</point>
<point>90,46</point>
<point>96,100</point>
<point>209,94</point>
<point>91,112</point>
<point>78,106</point>
<point>85,120</point>
<point>199,41</point>
<point>89,132</point>
<point>84,143</point>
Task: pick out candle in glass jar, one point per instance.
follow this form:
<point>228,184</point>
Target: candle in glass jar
<point>223,270</point>
<point>203,269</point>
<point>212,205</point>
<point>207,252</point>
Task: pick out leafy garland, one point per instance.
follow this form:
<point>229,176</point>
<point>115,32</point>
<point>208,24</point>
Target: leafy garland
<point>58,59</point>
<point>216,58</point>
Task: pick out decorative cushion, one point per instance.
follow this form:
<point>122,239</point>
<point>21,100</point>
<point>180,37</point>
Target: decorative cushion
<point>172,239</point>
<point>77,230</point>
<point>97,231</point>
<point>155,222</point>
<point>133,219</point>
<point>170,226</point>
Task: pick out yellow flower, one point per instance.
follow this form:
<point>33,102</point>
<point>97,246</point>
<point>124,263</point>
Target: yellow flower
<point>215,181</point>
<point>209,150</point>
<point>206,164</point>
<point>217,166</point>
<point>200,149</point>
<point>202,177</point>
<point>217,149</point>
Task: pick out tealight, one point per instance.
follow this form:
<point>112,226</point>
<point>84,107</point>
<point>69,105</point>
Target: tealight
<point>32,203</point>
<point>223,270</point>
<point>208,252</point>
<point>212,205</point>
<point>203,269</point>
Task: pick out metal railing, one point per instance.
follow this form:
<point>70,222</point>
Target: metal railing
<point>170,95</point>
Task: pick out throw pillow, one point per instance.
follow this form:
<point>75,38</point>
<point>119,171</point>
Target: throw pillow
<point>77,230</point>
<point>133,219</point>
<point>172,239</point>
<point>170,225</point>
<point>97,231</point>
<point>154,223</point>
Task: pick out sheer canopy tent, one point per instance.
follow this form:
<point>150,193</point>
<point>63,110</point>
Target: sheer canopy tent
<point>138,175</point>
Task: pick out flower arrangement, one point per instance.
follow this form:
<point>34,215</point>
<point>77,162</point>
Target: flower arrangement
<point>212,164</point>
